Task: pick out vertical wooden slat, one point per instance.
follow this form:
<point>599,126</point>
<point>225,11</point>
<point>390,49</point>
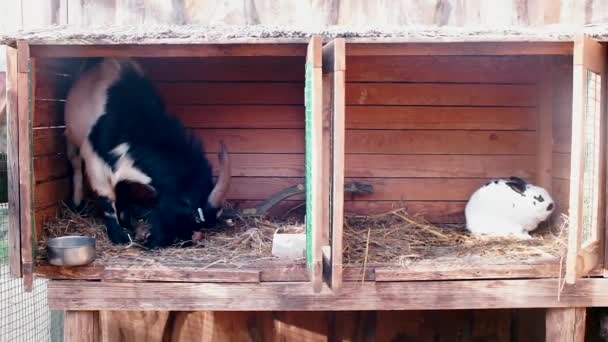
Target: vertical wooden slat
<point>315,151</point>
<point>589,55</point>
<point>25,89</point>
<point>81,326</point>
<point>545,125</point>
<point>565,324</point>
<point>12,112</point>
<point>334,61</point>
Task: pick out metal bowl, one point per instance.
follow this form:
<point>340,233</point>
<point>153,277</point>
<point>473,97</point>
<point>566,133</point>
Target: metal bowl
<point>71,250</point>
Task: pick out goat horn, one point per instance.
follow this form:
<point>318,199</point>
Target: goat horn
<point>223,180</point>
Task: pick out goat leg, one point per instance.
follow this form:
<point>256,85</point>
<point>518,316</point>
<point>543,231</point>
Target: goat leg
<point>116,233</point>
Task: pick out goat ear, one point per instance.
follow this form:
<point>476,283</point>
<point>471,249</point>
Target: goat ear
<point>517,184</point>
<point>141,194</point>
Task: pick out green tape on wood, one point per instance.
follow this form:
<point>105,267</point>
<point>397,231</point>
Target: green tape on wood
<point>308,160</point>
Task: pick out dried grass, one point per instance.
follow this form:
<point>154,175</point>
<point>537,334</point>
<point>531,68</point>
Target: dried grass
<point>246,241</point>
<point>399,238</point>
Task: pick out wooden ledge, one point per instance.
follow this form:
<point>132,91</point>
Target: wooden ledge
<point>431,295</point>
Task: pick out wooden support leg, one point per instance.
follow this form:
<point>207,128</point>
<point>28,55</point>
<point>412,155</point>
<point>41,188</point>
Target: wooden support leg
<point>565,325</point>
<point>81,326</point>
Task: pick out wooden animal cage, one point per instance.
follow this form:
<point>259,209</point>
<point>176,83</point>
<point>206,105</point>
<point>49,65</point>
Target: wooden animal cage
<point>425,122</point>
<point>428,123</point>
<point>251,96</point>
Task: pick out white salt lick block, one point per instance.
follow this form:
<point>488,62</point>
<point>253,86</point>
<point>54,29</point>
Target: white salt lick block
<point>289,246</point>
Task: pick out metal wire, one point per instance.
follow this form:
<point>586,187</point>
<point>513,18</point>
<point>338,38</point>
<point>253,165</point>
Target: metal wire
<point>24,317</point>
<point>591,156</point>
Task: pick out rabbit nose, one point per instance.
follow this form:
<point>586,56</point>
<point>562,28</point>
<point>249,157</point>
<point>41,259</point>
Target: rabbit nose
<point>550,207</point>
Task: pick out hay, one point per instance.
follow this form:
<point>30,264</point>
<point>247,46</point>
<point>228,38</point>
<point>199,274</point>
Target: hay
<point>399,238</point>
<point>245,241</point>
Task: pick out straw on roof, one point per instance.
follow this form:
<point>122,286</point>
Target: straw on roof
<point>193,34</point>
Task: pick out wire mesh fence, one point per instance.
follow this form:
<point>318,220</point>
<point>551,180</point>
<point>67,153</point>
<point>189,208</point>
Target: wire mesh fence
<point>24,317</point>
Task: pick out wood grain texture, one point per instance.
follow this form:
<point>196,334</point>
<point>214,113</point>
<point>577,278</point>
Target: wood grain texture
<point>440,117</point>
<point>438,69</point>
<point>183,274</point>
<point>79,295</point>
<point>544,151</point>
<point>441,142</point>
<point>81,326</point>
<point>135,326</point>
<point>459,49</point>
<point>218,93</point>
<point>25,84</point>
<point>565,324</point>
<point>14,204</point>
<point>396,166</point>
<point>48,113</point>
<point>225,69</point>
<point>239,116</point>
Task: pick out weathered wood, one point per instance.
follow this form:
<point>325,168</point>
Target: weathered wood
<point>51,192</point>
<point>441,117</point>
<point>544,151</point>
<point>432,211</point>
<point>12,113</point>
<point>134,326</point>
<point>69,273</point>
<point>81,326</point>
<point>183,274</point>
<point>25,91</point>
<point>589,55</point>
<point>79,295</point>
<point>458,48</point>
<point>263,48</point>
<point>315,216</point>
<point>433,94</point>
<point>49,168</point>
<point>565,324</point>
<point>338,143</point>
<point>48,113</point>
<point>548,269</point>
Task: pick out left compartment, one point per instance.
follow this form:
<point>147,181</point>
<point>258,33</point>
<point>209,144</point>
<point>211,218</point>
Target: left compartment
<point>249,96</point>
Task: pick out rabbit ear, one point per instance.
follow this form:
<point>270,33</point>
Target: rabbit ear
<point>517,184</point>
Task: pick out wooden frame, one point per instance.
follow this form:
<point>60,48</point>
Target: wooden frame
<point>334,61</point>
<point>423,295</point>
<point>12,112</point>
<point>583,256</point>
<point>24,61</point>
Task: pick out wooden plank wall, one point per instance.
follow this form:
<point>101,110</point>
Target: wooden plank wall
<point>253,104</point>
<point>428,131</point>
<point>461,325</point>
<point>562,131</point>
<point>88,13</point>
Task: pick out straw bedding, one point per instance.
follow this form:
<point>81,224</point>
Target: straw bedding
<point>396,238</point>
<point>237,244</point>
<point>399,238</point>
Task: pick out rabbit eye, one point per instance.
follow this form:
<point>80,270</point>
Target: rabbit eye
<point>550,207</point>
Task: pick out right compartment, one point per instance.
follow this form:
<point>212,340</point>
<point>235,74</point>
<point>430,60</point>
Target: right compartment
<point>427,124</point>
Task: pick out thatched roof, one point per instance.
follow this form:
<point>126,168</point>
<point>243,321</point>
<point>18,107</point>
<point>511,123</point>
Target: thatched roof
<point>257,33</point>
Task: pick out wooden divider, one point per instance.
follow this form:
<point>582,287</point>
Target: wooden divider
<point>334,66</point>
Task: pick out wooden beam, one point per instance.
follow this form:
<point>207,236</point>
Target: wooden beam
<point>12,113</point>
<point>81,326</point>
<point>25,91</point>
<point>172,50</point>
<point>424,295</point>
<point>565,324</point>
<point>183,274</point>
<point>385,48</point>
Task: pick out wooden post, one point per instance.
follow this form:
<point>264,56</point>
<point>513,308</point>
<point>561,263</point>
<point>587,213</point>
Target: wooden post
<point>544,155</point>
<point>81,326</point>
<point>565,325</point>
<point>25,89</point>
<point>12,113</point>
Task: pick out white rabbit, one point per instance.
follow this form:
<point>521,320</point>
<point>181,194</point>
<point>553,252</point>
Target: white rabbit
<point>508,207</point>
